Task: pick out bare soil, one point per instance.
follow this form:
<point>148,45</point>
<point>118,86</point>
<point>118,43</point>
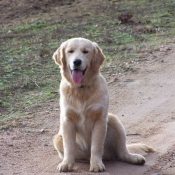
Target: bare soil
<point>144,100</point>
<point>12,10</point>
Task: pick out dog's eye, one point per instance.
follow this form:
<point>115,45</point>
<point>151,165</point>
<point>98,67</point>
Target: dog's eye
<point>70,51</point>
<point>85,51</point>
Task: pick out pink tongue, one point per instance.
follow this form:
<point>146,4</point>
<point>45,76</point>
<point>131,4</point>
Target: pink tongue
<point>77,76</point>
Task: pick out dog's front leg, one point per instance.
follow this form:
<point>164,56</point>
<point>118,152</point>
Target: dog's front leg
<point>97,142</point>
<point>69,138</point>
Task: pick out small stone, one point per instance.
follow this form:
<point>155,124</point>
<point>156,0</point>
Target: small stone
<point>4,154</point>
<point>10,144</point>
<point>9,31</point>
<point>42,131</point>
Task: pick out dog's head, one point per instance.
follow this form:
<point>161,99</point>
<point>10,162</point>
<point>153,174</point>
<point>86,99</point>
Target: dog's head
<point>79,59</point>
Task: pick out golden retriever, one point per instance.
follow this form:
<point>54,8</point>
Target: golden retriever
<point>87,131</point>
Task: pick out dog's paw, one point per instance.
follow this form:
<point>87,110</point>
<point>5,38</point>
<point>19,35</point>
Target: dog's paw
<point>65,167</point>
<point>138,159</point>
<point>97,167</point>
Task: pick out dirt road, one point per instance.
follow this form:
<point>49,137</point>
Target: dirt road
<point>143,100</point>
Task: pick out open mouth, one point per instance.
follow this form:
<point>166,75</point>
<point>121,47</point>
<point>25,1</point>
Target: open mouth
<point>77,75</point>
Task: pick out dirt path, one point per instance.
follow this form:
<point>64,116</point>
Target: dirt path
<point>145,103</point>
<point>146,107</point>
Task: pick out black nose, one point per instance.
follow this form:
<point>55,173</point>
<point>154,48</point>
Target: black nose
<point>77,62</point>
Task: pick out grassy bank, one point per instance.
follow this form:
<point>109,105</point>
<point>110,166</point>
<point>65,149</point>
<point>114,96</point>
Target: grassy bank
<point>127,31</point>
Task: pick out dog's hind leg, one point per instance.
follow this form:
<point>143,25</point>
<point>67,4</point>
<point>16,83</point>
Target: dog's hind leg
<point>115,143</point>
<point>58,144</point>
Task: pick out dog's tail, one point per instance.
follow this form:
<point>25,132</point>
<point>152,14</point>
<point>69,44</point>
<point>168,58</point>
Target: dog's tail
<point>140,148</point>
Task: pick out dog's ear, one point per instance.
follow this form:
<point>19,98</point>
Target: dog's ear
<point>59,55</point>
<point>98,57</point>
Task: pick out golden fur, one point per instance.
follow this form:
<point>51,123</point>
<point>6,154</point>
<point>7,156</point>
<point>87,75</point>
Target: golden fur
<point>87,131</point>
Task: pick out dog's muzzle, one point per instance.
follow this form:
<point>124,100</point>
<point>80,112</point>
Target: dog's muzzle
<point>76,71</point>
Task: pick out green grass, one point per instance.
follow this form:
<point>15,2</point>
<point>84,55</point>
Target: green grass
<point>35,26</point>
<point>28,74</point>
